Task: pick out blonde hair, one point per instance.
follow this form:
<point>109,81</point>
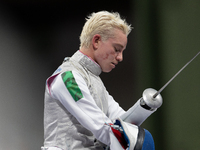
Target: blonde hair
<point>102,23</point>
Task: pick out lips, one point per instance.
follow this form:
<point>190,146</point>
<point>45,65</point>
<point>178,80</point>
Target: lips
<point>114,64</point>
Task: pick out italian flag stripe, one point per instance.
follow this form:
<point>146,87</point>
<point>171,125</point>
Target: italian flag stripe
<point>71,85</point>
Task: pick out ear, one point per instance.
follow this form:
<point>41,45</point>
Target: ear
<point>95,41</point>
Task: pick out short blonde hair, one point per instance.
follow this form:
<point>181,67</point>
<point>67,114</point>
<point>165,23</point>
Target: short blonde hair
<point>102,23</point>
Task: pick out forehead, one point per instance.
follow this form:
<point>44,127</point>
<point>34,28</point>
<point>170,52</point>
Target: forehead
<point>119,38</point>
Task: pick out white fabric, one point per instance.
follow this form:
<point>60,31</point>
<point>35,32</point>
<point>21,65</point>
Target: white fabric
<point>78,125</point>
<point>131,133</point>
<point>50,148</point>
<point>114,143</point>
<point>85,110</point>
<point>136,114</point>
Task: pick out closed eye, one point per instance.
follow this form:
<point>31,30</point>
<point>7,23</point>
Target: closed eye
<point>117,50</point>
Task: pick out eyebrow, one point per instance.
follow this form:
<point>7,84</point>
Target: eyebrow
<point>118,45</point>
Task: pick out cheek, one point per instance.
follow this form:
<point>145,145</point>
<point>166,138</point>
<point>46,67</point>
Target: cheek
<point>108,55</point>
<point>111,55</point>
<point>103,56</point>
<point>106,52</point>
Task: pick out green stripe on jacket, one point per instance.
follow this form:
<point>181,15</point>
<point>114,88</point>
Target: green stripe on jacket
<point>71,85</point>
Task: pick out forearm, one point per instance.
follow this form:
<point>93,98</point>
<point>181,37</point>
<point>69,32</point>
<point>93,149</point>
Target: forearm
<point>143,108</point>
<point>137,114</point>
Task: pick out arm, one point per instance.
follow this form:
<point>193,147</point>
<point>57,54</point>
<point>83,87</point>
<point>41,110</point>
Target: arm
<point>71,90</point>
<point>143,108</point>
<point>136,114</point>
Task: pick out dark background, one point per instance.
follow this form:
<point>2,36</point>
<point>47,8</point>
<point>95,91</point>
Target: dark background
<point>35,36</point>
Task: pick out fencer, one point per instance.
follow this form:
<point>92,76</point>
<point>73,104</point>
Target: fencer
<point>79,113</point>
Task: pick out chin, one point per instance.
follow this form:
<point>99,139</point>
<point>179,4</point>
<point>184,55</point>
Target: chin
<point>107,71</point>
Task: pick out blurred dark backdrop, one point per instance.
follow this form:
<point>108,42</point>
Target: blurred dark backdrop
<point>35,36</point>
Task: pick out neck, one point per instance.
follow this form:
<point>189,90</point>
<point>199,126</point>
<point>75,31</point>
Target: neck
<point>88,52</point>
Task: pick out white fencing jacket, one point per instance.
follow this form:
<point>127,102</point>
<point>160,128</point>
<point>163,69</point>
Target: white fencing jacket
<point>78,106</point>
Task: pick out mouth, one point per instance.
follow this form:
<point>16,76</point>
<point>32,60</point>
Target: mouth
<point>114,64</point>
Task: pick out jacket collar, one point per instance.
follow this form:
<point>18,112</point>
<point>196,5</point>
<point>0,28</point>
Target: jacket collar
<point>87,62</point>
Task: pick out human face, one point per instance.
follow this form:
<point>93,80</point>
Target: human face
<point>110,52</point>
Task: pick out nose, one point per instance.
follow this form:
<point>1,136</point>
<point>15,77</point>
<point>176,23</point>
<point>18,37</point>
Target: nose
<point>119,57</point>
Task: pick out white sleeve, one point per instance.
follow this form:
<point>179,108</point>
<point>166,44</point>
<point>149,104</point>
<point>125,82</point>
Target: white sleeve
<point>81,104</point>
<point>136,114</point>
